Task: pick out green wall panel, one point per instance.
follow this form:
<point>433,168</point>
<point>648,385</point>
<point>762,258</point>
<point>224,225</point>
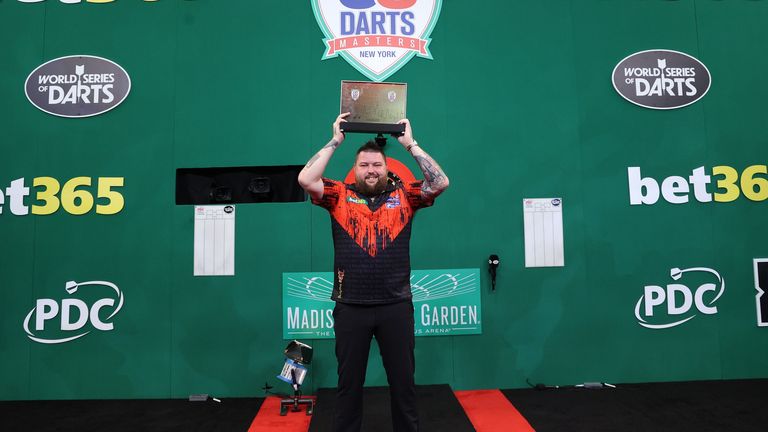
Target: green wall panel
<point>516,104</point>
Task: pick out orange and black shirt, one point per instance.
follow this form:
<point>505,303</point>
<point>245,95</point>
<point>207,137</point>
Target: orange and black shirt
<point>371,240</point>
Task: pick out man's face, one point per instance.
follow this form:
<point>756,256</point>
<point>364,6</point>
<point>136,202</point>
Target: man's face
<point>370,173</point>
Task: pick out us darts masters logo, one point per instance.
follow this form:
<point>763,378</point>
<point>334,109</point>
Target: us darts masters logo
<point>661,79</point>
<point>377,37</point>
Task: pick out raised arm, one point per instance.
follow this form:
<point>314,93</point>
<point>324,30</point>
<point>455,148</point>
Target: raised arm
<point>435,180</point>
<point>311,176</point>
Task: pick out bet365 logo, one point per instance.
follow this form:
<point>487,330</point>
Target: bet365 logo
<point>730,184</point>
<point>74,196</point>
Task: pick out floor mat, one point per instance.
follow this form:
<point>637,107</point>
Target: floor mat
<point>491,411</point>
<point>269,419</point>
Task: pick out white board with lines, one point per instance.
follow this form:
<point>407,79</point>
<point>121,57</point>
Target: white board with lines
<point>543,225</point>
<point>214,240</point>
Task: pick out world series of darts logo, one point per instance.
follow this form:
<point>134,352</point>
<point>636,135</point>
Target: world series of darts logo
<point>377,37</point>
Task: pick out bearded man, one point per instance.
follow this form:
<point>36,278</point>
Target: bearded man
<point>371,226</point>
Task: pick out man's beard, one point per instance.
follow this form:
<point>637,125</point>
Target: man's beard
<point>371,190</point>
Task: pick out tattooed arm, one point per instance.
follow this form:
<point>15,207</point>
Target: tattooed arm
<point>435,180</point>
<point>311,176</point>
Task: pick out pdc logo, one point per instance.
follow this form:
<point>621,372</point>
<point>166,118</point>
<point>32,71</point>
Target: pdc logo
<point>77,86</point>
<point>661,79</point>
<point>376,37</point>
<point>74,314</point>
<point>679,299</point>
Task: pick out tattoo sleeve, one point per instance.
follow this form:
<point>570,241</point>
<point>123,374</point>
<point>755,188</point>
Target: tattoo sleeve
<point>435,180</point>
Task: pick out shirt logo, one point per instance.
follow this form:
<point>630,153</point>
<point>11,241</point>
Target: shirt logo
<point>356,200</point>
<point>393,202</point>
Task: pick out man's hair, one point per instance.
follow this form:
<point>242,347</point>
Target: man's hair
<point>371,146</point>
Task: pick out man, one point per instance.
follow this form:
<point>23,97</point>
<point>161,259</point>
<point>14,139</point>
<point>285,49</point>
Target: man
<point>371,223</point>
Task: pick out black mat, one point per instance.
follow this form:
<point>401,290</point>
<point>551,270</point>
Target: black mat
<point>129,415</point>
<point>702,406</point>
<point>439,410</point>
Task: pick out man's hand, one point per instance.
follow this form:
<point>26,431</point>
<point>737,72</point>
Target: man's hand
<point>338,135</point>
<point>406,139</point>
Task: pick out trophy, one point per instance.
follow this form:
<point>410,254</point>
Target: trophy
<point>374,107</point>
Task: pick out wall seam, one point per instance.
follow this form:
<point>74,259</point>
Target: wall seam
<point>34,223</point>
<point>171,287</point>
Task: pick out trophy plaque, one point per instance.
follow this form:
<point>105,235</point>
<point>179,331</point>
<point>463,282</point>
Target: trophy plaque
<point>374,107</point>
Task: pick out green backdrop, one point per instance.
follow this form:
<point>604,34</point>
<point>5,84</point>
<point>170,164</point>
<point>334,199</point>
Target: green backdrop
<point>517,103</point>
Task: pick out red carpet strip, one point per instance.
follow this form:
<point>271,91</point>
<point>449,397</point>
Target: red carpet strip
<point>491,411</point>
<point>269,419</point>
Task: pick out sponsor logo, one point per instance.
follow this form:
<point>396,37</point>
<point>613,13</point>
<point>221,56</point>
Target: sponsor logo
<point>77,86</point>
<point>661,79</point>
<point>354,200</point>
<point>761,284</point>
<point>679,299</point>
<point>72,196</point>
<point>751,183</point>
<point>340,274</point>
<point>377,37</point>
<point>446,302</point>
<point>393,202</point>
<point>46,310</point>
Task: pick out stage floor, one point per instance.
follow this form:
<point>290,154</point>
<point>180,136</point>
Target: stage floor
<point>702,406</point>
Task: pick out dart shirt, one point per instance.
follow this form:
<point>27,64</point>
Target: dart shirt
<point>371,240</point>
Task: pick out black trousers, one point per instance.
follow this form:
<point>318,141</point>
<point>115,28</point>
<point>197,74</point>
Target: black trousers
<point>392,326</point>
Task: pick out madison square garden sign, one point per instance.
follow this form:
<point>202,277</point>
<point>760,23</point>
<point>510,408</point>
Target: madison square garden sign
<point>445,302</point>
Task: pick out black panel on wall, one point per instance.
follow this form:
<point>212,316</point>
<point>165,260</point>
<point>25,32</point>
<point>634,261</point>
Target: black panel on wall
<point>233,185</point>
